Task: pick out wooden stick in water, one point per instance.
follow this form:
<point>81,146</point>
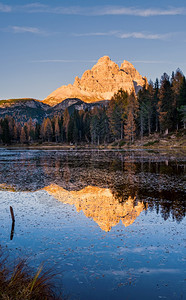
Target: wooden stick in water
<point>12,231</point>
<point>12,214</point>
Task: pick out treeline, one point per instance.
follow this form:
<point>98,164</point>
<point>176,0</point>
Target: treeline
<point>158,107</point>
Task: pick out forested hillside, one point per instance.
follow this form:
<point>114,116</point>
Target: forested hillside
<point>159,107</point>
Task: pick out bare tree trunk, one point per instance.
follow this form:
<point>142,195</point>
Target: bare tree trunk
<point>156,124</point>
<point>149,125</point>
<point>122,130</point>
<point>98,140</point>
<point>141,126</point>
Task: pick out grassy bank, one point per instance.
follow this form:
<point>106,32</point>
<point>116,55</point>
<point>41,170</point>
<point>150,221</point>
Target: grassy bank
<point>18,283</point>
<point>154,141</point>
<point>157,141</point>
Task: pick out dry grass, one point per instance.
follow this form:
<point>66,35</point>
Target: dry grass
<point>19,284</point>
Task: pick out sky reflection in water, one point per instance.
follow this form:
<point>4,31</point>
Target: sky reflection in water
<point>110,223</point>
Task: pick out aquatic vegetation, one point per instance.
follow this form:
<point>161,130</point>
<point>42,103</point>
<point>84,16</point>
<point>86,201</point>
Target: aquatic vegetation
<point>19,283</point>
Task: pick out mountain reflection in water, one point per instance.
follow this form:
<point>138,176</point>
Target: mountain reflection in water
<point>108,186</point>
<point>100,205</point>
<point>111,224</point>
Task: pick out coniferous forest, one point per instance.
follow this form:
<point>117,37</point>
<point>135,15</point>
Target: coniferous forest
<point>159,107</point>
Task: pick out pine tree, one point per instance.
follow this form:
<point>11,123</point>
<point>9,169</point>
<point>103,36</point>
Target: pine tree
<point>176,84</point>
<point>104,126</point>
<point>86,127</point>
<point>149,105</point>
<point>130,125</point>
<point>6,138</point>
<point>146,109</point>
<point>19,127</point>
<point>11,124</point>
<point>69,130</point>
<point>76,126</point>
<point>66,120</point>
<point>30,130</point>
<point>165,105</point>
<point>94,129</point>
<point>37,131</point>
<point>1,132</point>
<point>61,128</point>
<point>46,130</point>
<point>117,113</point>
<point>23,136</point>
<point>181,104</point>
<point>15,133</point>
<point>57,130</point>
<point>182,93</point>
<point>182,112</point>
<point>155,106</point>
<point>142,113</point>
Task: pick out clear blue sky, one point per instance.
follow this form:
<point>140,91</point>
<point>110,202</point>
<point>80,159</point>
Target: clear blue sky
<point>45,44</point>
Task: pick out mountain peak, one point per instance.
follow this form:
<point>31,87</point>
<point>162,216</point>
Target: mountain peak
<point>127,64</point>
<point>100,83</point>
<point>104,59</point>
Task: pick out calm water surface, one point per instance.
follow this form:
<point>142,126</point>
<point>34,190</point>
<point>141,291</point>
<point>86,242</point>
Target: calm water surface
<point>111,224</point>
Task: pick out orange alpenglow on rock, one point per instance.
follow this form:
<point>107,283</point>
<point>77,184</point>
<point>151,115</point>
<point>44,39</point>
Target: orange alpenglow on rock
<point>99,204</point>
<point>100,83</point>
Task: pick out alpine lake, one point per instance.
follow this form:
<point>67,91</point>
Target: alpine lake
<point>110,224</point>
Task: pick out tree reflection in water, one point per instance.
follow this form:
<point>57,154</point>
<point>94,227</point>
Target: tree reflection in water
<point>154,180</point>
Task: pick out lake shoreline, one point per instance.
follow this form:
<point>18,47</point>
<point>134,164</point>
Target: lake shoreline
<point>157,142</point>
<point>101,148</point>
<point>170,143</point>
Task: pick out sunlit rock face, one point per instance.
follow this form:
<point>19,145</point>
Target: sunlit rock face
<point>100,83</point>
<point>99,204</point>
<point>6,187</point>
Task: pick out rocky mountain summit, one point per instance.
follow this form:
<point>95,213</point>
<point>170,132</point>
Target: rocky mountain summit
<point>100,83</point>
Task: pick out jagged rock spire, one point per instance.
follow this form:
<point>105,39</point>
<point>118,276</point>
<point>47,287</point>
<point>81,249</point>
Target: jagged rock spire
<point>100,83</point>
